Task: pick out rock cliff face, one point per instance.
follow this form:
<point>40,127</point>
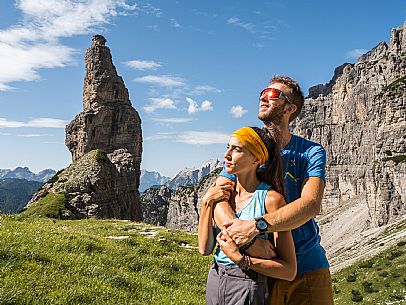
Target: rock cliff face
<point>177,209</point>
<point>155,204</point>
<point>102,187</point>
<point>360,118</point>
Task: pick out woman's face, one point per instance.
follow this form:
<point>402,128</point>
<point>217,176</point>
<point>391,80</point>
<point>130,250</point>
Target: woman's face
<point>239,159</point>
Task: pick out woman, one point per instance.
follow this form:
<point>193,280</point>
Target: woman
<point>235,277</point>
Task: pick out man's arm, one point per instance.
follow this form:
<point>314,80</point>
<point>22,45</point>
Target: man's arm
<point>301,210</point>
<point>286,218</point>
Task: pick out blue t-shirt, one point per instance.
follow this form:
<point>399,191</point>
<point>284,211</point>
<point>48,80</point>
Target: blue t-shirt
<point>302,159</point>
<point>255,207</point>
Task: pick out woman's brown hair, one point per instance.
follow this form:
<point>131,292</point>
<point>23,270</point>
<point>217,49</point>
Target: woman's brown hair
<point>272,171</point>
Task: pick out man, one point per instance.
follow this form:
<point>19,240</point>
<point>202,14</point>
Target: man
<point>304,166</point>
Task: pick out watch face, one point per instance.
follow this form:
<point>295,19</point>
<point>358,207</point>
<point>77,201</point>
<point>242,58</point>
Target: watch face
<point>261,224</point>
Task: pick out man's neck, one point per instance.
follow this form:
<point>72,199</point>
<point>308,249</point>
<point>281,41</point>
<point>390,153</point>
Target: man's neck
<point>286,136</point>
<point>284,133</point>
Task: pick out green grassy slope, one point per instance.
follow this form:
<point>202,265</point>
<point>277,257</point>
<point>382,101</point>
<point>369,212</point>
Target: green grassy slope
<point>379,280</point>
<point>45,261</point>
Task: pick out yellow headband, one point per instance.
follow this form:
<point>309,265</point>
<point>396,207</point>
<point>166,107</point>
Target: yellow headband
<point>251,140</point>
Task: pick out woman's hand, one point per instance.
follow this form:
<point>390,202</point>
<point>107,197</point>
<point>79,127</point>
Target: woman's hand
<point>217,192</point>
<point>229,247</point>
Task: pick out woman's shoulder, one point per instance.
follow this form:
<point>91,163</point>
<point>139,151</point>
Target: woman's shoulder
<point>274,200</point>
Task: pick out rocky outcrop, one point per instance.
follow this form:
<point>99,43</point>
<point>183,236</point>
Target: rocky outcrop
<point>155,204</point>
<point>183,205</point>
<point>360,118</point>
<point>110,126</point>
<point>91,186</point>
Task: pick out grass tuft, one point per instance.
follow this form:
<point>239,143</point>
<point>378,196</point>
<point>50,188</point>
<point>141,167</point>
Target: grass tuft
<point>51,206</point>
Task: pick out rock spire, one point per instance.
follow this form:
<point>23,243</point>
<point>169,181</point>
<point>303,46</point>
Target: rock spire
<point>105,141</point>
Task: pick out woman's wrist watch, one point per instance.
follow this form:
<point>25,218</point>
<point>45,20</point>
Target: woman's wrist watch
<point>261,224</point>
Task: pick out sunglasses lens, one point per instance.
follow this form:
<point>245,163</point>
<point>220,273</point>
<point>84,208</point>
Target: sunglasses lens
<point>270,93</point>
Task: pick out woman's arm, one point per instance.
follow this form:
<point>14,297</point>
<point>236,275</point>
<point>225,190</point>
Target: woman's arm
<point>206,227</point>
<point>284,265</point>
<point>223,212</point>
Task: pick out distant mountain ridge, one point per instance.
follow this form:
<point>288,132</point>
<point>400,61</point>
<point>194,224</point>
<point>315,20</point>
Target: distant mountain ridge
<point>192,176</point>
<point>148,179</point>
<point>25,173</point>
<point>187,176</point>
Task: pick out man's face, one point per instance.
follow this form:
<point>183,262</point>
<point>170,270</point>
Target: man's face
<point>274,110</point>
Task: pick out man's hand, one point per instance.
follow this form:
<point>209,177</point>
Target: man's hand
<point>261,248</point>
<point>241,231</point>
<point>229,247</point>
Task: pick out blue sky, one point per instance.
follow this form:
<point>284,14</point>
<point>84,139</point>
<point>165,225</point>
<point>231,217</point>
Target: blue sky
<point>193,68</point>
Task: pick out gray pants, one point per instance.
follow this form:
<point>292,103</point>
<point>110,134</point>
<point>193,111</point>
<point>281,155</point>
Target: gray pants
<point>230,285</point>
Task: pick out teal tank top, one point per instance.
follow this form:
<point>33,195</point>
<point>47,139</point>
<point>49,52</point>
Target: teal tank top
<point>254,208</point>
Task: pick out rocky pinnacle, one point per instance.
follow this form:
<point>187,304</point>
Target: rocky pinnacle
<point>109,123</point>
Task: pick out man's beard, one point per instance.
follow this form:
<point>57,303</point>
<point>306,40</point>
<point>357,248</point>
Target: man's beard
<point>273,115</point>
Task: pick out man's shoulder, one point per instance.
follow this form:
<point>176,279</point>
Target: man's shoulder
<point>307,146</point>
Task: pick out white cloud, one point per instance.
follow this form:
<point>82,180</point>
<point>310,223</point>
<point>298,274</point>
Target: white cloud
<point>192,137</point>
<point>143,64</point>
<point>53,142</point>
<point>47,122</point>
<point>354,54</point>
<point>148,8</point>
<point>21,63</point>
<point>175,23</point>
<point>173,120</point>
<point>194,107</point>
<point>202,137</point>
<point>237,111</point>
<point>33,43</point>
<point>28,135</point>
<point>4,87</point>
<point>159,103</point>
<point>160,136</point>
<point>250,27</point>
<point>206,106</point>
<point>153,28</point>
<point>198,90</point>
<point>36,123</point>
<point>162,80</point>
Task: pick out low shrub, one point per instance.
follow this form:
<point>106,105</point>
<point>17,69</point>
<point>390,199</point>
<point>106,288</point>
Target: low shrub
<point>384,273</point>
<point>366,264</point>
<point>356,296</point>
<point>351,277</point>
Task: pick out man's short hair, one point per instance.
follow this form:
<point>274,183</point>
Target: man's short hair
<point>295,95</point>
